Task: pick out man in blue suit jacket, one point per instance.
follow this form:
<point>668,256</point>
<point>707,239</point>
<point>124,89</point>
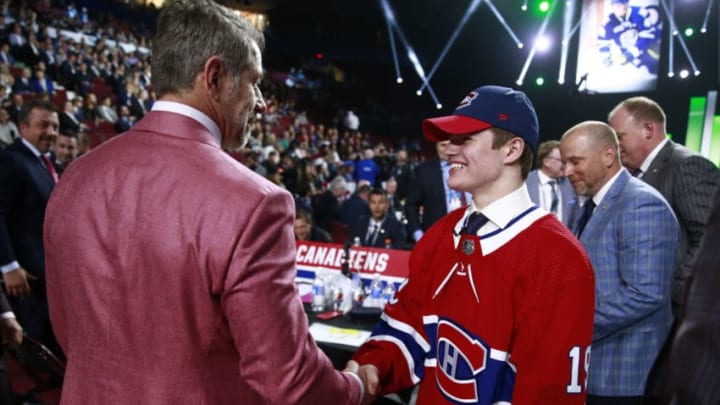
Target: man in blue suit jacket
<point>26,181</point>
<point>548,179</point>
<point>632,239</point>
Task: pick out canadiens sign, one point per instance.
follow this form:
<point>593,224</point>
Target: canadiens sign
<point>313,256</point>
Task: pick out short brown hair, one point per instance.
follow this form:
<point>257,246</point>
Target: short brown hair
<point>544,150</point>
<point>501,137</point>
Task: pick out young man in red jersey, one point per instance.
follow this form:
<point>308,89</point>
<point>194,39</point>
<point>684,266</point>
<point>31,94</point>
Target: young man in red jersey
<point>498,307</point>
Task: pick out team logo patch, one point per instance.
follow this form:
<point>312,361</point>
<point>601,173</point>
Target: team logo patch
<point>461,357</point>
<point>503,117</point>
<point>468,246</point>
<point>467,100</point>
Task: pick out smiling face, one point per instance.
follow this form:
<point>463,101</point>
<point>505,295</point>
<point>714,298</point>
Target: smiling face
<point>590,160</point>
<point>474,164</point>
<point>40,128</point>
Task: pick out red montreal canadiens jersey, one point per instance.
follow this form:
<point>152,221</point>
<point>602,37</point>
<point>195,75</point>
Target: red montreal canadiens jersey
<point>501,319</point>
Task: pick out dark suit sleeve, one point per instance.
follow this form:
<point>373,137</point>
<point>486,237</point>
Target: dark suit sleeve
<point>416,198</point>
<point>9,186</point>
<point>695,185</point>
<point>4,304</point>
<point>694,365</point>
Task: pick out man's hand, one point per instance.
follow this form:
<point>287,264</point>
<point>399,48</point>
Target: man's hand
<point>11,333</point>
<point>369,376</point>
<point>16,282</point>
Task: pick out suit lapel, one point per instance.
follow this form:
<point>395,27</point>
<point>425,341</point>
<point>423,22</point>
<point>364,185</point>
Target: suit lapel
<point>653,173</point>
<point>533,186</point>
<point>606,206</point>
<point>37,170</point>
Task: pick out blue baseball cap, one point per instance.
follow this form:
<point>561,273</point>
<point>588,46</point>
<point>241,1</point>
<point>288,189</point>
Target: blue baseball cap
<point>621,1</point>
<point>488,107</point>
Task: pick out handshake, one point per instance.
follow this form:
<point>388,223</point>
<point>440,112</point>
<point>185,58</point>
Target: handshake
<point>369,376</point>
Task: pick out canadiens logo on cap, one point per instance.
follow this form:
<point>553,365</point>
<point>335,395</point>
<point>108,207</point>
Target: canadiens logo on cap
<point>467,100</point>
<point>487,107</point>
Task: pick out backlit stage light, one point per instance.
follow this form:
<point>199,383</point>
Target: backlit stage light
<point>470,10</point>
<point>412,56</point>
<point>707,16</point>
<point>531,55</point>
<point>568,15</point>
<point>680,39</point>
<point>504,23</point>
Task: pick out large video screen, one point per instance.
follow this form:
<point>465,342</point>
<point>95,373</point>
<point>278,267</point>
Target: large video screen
<point>619,45</point>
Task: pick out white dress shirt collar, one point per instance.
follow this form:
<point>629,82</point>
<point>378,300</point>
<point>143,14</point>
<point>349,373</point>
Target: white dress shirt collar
<point>500,212</point>
<point>651,156</point>
<point>598,197</point>
<point>190,112</point>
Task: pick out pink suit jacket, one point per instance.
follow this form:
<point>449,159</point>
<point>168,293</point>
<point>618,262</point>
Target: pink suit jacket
<point>170,274</point>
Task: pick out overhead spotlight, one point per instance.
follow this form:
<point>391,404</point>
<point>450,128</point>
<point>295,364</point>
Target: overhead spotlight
<point>564,42</point>
<point>697,73</point>
<point>684,74</point>
<point>520,45</point>
<point>539,81</point>
<point>689,32</point>
<point>544,6</point>
<point>419,92</point>
<point>703,30</point>
<point>675,33</point>
<point>671,74</point>
<point>561,81</point>
<point>542,43</point>
<point>438,106</point>
<point>399,80</point>
<point>519,82</point>
<point>524,7</point>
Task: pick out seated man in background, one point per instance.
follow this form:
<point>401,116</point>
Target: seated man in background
<point>379,229</point>
<point>305,230</point>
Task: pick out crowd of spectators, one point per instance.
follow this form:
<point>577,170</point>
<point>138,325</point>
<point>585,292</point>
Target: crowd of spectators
<point>96,70</point>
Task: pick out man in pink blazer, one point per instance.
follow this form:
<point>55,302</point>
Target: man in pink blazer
<point>170,266</point>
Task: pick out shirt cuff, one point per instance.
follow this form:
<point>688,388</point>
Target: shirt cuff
<point>11,315</point>
<point>362,387</point>
<point>10,267</point>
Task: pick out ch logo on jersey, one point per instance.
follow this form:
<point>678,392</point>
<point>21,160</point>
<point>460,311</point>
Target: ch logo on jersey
<point>460,358</point>
<point>467,100</point>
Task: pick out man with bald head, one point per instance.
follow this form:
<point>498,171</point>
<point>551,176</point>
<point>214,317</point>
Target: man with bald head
<point>686,179</point>
<point>631,236</point>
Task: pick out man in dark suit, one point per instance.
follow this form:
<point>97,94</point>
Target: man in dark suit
<point>686,179</point>
<point>694,357</point>
<point>379,229</point>
<point>632,221</point>
<point>403,173</point>
<point>68,120</point>
<point>429,190</point>
<point>547,186</point>
<point>26,179</point>
<point>356,205</point>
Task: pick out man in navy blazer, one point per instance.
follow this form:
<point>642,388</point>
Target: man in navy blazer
<point>685,178</point>
<point>547,186</point>
<point>430,191</point>
<point>380,228</point>
<point>26,181</point>
<point>632,238</point>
